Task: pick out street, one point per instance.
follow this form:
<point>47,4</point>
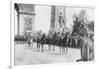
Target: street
<point>27,56</point>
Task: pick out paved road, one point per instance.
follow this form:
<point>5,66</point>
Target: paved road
<point>26,56</point>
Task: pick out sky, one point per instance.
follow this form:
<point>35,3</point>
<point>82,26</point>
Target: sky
<point>43,15</point>
<point>42,18</point>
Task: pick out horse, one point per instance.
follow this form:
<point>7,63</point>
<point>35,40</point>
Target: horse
<point>42,41</point>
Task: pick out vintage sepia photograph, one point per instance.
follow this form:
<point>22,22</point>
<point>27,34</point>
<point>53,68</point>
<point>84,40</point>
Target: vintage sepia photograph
<point>45,34</point>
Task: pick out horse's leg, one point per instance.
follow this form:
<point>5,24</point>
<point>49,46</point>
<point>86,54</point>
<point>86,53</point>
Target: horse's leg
<point>32,44</point>
<point>60,49</point>
<point>37,46</point>
<point>29,45</point>
<point>66,49</point>
<point>42,47</point>
<point>53,47</point>
<point>50,47</point>
<point>63,50</point>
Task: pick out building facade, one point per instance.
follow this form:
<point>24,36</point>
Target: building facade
<point>25,18</point>
<point>58,18</point>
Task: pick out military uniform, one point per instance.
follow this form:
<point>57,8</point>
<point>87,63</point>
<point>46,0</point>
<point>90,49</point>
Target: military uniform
<point>87,50</point>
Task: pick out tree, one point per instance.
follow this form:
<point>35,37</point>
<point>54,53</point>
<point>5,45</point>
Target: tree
<point>80,23</point>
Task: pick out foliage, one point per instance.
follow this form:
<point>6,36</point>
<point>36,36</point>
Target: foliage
<point>80,23</point>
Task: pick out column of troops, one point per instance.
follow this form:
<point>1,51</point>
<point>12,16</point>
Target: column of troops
<point>62,41</point>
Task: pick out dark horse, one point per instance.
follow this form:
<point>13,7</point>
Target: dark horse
<point>62,43</point>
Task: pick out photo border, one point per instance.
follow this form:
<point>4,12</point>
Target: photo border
<point>12,28</point>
